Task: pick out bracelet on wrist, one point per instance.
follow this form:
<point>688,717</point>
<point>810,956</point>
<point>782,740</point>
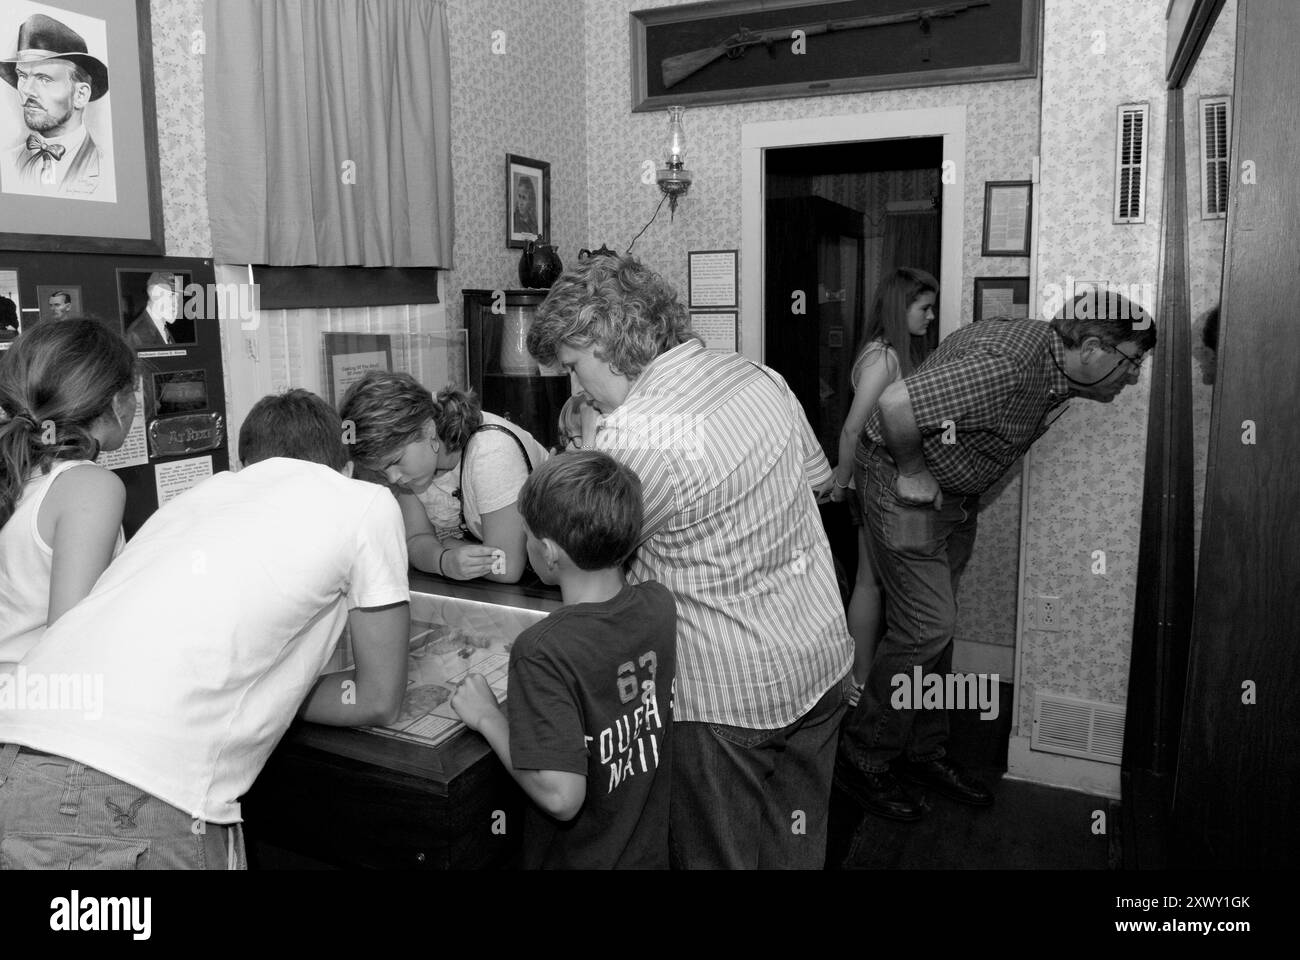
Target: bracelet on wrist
<point>842,486</point>
<point>440,556</point>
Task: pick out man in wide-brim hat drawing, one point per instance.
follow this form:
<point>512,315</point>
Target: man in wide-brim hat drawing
<point>56,77</point>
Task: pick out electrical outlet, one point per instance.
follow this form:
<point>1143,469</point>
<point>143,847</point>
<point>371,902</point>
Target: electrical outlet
<point>1049,614</point>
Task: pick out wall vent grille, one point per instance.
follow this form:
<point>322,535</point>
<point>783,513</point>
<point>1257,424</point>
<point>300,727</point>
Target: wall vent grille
<point>1078,728</point>
<point>1130,164</point>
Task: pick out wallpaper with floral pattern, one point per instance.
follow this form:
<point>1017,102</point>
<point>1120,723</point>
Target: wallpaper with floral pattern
<point>178,93</point>
<point>1001,140</point>
<point>527,101</point>
<point>1085,488</point>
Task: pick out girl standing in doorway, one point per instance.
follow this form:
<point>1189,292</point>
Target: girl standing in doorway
<point>893,345</point>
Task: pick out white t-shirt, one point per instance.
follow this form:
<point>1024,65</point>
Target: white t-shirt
<point>26,564</point>
<point>494,472</point>
<point>210,629</point>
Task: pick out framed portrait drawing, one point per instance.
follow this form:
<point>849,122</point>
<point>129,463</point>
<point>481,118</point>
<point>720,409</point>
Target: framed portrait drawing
<point>528,201</point>
<point>78,129</point>
<point>1001,297</point>
<point>1008,208</point>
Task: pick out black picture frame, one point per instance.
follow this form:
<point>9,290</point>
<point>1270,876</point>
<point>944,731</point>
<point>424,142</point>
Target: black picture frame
<point>999,43</point>
<point>1017,288</point>
<point>521,218</point>
<point>125,166</point>
<point>1008,206</point>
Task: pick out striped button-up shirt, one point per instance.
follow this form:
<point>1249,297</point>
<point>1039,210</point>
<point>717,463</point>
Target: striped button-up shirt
<point>727,464</point>
<point>982,398</point>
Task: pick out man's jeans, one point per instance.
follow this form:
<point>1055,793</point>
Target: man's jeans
<point>57,814</point>
<point>920,553</point>
<point>746,799</point>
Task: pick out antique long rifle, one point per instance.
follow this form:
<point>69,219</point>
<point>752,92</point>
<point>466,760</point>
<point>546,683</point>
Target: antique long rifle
<point>678,68</point>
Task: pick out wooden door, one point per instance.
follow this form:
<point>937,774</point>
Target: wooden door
<point>1237,785</point>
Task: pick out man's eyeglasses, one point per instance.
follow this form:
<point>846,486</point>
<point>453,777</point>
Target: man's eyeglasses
<point>1136,362</point>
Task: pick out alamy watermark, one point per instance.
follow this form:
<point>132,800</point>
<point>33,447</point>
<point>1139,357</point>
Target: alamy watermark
<point>33,690</point>
<point>945,691</point>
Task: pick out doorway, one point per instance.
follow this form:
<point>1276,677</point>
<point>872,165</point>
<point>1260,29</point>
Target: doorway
<point>839,218</point>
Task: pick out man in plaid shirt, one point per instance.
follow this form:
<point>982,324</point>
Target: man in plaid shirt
<point>937,440</point>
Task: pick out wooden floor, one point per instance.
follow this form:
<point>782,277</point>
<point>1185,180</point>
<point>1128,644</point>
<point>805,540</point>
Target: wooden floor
<point>1029,827</point>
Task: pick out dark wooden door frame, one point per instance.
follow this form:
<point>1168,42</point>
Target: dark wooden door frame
<point>1237,783</point>
<point>1162,615</point>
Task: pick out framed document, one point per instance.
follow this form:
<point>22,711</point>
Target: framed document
<point>1007,209</point>
<point>712,279</point>
<point>1001,297</point>
<point>717,330</point>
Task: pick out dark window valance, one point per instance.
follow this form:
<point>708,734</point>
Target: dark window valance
<point>298,288</point>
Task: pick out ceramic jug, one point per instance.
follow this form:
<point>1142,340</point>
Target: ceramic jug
<point>540,265</point>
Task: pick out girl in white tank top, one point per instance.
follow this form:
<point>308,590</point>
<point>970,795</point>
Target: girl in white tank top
<point>67,391</point>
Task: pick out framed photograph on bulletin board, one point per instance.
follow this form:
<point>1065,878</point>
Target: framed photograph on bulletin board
<point>1001,297</point>
<point>78,129</point>
<point>10,309</point>
<point>59,301</point>
<point>1008,208</point>
<point>528,201</point>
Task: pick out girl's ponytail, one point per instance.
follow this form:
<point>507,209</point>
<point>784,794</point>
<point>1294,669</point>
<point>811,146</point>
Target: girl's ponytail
<point>55,382</point>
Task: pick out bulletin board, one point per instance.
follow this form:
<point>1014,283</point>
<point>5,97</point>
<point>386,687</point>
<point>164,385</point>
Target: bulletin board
<point>179,435</point>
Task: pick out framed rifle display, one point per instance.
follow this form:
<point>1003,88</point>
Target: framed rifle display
<point>738,50</point>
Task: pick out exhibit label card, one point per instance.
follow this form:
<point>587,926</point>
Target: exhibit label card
<point>173,479</point>
<point>134,452</point>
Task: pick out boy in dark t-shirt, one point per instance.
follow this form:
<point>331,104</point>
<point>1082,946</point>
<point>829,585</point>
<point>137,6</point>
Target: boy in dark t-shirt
<point>590,686</point>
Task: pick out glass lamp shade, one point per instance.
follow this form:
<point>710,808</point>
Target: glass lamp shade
<point>675,145</point>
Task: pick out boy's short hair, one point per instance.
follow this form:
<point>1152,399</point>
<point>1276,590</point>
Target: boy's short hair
<point>295,424</point>
<point>588,503</point>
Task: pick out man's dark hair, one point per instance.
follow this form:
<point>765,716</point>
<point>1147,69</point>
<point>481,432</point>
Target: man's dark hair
<point>588,503</point>
<point>295,424</point>
<point>1108,316</point>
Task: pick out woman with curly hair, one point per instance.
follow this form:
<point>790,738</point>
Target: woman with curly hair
<point>67,392</point>
<point>728,465</point>
<point>454,468</point>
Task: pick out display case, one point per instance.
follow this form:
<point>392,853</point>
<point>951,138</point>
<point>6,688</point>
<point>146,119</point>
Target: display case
<point>419,794</point>
<point>508,381</point>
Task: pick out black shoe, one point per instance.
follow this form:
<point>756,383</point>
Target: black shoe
<point>944,776</point>
<point>878,793</point>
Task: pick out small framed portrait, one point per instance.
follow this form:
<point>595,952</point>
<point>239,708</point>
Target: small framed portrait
<point>152,308</point>
<point>528,201</point>
<point>1008,209</point>
<point>61,302</point>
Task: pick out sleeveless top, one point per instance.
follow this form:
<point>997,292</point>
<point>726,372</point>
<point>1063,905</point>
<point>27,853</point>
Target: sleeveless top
<point>26,562</point>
